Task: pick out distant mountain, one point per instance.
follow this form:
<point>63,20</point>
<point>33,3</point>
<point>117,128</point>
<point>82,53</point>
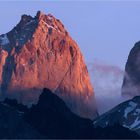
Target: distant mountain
<point>131,82</point>
<point>39,53</point>
<point>127,114</point>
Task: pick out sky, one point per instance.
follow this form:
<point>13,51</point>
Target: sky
<point>104,30</point>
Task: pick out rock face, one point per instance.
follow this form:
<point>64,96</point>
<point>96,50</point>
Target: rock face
<point>39,53</point>
<point>131,82</point>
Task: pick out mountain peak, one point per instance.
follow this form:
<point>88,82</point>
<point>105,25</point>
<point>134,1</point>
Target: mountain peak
<point>39,53</point>
<point>46,18</point>
<point>26,17</point>
<point>40,14</point>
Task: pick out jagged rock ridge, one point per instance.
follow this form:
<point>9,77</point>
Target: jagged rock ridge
<point>127,114</point>
<point>50,118</point>
<point>40,53</point>
<point>54,120</point>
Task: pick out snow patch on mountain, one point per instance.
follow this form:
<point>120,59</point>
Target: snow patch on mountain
<point>137,112</point>
<point>49,26</point>
<point>135,124</point>
<point>4,39</point>
<point>30,22</point>
<point>126,113</point>
<point>131,107</point>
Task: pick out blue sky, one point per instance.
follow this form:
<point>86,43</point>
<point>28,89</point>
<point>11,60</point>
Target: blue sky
<point>104,30</point>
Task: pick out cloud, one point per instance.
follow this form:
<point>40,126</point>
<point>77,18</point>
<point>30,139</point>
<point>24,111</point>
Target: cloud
<point>107,82</point>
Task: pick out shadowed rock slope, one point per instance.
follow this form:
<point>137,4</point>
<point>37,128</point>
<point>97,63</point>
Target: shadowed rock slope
<point>131,82</point>
<point>53,119</point>
<point>12,124</point>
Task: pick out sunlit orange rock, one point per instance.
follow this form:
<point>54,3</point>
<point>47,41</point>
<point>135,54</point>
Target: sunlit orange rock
<point>40,53</point>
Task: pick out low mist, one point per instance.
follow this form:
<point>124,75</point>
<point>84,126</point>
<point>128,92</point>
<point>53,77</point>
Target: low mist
<point>107,82</point>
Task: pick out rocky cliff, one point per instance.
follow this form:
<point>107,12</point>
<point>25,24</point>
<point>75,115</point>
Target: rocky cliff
<point>131,82</point>
<point>39,53</point>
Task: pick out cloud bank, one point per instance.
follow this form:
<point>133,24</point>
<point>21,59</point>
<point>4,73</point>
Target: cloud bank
<point>107,82</point>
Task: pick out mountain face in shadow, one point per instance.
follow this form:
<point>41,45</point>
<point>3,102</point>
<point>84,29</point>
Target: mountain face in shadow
<point>13,103</point>
<point>52,118</point>
<point>13,126</point>
<point>131,82</point>
<point>39,53</point>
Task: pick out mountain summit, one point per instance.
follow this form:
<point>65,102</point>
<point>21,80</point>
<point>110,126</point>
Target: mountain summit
<point>39,53</point>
